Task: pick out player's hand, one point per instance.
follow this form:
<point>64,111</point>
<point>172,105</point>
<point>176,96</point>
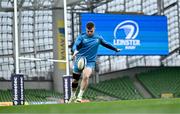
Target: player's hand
<point>74,55</point>
<point>118,50</point>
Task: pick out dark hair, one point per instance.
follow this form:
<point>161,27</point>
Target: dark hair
<point>90,25</point>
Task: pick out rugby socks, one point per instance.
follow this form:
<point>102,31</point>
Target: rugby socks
<point>81,92</point>
<point>74,93</point>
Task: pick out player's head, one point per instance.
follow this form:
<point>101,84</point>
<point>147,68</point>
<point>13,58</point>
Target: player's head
<point>90,28</point>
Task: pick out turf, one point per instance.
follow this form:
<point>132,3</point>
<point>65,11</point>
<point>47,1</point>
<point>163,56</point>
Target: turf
<point>148,106</point>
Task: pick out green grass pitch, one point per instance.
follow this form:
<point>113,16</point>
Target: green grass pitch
<point>146,106</point>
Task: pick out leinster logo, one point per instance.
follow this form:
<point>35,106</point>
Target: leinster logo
<point>131,30</point>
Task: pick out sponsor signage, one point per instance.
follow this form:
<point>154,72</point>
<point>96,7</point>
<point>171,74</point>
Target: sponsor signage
<point>67,87</point>
<point>18,89</point>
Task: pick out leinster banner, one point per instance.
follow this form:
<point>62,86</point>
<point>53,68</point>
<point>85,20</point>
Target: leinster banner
<point>134,34</point>
<point>18,89</point>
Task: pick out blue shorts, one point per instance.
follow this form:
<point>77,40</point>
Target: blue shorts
<point>88,65</point>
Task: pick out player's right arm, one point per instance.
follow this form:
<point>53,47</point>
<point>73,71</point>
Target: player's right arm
<point>76,45</point>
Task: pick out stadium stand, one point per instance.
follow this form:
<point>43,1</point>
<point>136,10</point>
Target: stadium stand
<point>120,88</point>
<point>5,96</point>
<point>163,80</point>
<point>95,95</point>
<point>32,95</point>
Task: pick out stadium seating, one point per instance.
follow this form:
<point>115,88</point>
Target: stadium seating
<point>121,88</point>
<point>163,80</point>
<point>5,95</point>
<point>32,95</point>
<point>95,95</point>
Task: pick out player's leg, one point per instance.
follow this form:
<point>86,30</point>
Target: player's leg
<point>75,82</point>
<point>84,83</point>
<point>76,76</point>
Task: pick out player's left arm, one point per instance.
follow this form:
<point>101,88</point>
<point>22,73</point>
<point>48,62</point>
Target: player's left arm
<point>108,45</point>
<point>76,45</point>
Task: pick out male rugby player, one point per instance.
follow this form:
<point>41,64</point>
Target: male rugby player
<point>86,45</point>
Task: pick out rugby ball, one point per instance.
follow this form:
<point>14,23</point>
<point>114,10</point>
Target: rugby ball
<point>81,63</point>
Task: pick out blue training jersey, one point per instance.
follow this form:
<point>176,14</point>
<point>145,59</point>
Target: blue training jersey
<point>88,46</point>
